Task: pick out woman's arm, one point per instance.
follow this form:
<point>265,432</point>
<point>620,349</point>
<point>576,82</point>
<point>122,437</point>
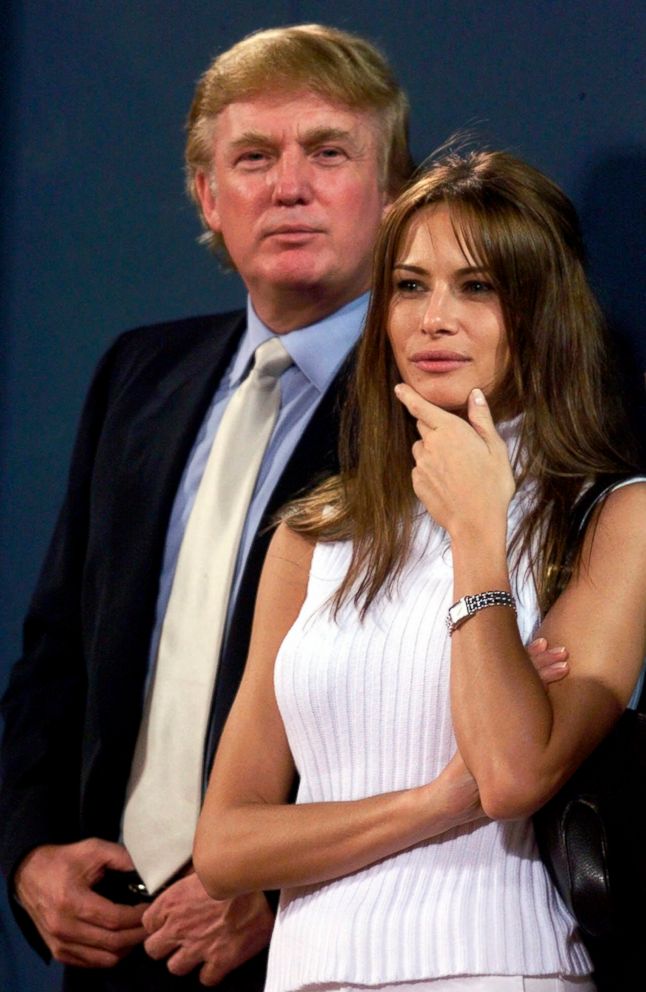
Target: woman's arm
<point>249,837</point>
<point>519,742</point>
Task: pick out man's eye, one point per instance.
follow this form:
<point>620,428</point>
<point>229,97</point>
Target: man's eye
<point>252,158</point>
<point>330,154</point>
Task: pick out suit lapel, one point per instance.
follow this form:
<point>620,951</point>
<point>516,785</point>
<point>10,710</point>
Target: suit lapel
<point>169,401</point>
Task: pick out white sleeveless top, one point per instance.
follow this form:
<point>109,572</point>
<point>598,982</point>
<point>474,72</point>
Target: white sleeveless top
<point>366,710</point>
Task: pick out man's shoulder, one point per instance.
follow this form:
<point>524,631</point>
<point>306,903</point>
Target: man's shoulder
<point>181,333</point>
<point>186,342</point>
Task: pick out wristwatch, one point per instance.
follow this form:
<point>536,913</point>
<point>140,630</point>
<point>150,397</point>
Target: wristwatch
<point>468,605</point>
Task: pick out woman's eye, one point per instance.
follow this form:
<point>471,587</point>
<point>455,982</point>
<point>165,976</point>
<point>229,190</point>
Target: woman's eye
<point>478,286</point>
<point>408,286</point>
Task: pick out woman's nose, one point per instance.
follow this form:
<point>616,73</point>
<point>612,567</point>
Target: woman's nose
<point>440,314</point>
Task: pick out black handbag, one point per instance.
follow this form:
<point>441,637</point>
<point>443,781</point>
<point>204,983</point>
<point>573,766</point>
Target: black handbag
<point>592,834</point>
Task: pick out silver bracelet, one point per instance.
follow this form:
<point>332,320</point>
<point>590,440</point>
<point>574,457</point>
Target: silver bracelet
<point>468,605</point>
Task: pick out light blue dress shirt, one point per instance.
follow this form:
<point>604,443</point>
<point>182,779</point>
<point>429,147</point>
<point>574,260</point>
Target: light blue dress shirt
<point>318,352</point>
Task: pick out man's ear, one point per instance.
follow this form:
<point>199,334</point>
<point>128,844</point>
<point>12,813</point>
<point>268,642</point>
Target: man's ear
<point>208,201</point>
<point>388,202</point>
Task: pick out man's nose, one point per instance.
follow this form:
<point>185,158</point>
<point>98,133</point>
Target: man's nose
<point>291,179</point>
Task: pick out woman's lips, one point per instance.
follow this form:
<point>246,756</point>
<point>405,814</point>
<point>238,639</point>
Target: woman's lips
<point>439,361</point>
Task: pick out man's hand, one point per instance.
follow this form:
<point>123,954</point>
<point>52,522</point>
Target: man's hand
<point>550,663</point>
<point>191,929</point>
<point>54,884</point>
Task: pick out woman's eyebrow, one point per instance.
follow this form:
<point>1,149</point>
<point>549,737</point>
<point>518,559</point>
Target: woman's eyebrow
<point>409,267</point>
<point>466,270</point>
<point>469,270</point>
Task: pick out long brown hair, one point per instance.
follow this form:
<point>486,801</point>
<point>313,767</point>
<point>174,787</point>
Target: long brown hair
<point>524,232</point>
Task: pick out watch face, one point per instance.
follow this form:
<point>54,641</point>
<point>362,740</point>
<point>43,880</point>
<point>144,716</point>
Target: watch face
<point>459,611</point>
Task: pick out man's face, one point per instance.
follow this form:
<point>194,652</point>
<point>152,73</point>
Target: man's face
<point>295,193</point>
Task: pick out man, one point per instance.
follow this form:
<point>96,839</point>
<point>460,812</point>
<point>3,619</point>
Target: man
<point>291,181</point>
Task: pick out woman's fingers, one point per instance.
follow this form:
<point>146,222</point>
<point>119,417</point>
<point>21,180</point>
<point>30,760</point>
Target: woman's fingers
<point>480,415</point>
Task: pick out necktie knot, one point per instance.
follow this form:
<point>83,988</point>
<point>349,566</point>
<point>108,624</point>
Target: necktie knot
<point>271,360</point>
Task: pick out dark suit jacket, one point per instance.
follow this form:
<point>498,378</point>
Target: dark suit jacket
<point>74,701</point>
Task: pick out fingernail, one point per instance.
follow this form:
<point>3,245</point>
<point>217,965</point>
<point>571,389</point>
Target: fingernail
<point>559,666</point>
<point>556,650</point>
<point>478,397</point>
<point>539,640</point>
<point>398,388</point>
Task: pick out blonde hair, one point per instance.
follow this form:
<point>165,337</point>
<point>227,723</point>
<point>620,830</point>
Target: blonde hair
<point>522,229</point>
<point>341,67</point>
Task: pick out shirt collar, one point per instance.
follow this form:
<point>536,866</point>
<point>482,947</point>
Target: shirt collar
<point>318,349</point>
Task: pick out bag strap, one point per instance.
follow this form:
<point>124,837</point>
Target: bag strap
<point>581,514</point>
<point>586,503</point>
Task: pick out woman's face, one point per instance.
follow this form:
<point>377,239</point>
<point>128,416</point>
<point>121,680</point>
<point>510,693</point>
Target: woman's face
<point>445,323</point>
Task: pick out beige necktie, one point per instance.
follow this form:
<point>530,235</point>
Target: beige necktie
<point>164,792</point>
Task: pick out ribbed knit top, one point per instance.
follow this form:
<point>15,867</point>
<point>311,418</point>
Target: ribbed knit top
<point>366,710</point>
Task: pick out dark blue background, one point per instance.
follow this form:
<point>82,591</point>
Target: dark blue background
<point>97,235</point>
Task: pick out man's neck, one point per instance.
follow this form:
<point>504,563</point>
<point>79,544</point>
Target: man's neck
<point>291,310</point>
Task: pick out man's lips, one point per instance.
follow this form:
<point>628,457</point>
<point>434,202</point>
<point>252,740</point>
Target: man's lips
<point>439,361</point>
<point>292,231</point>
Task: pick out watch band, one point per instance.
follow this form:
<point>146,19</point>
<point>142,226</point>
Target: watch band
<point>468,605</point>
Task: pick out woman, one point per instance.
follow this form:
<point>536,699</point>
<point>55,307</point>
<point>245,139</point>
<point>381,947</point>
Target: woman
<point>409,856</point>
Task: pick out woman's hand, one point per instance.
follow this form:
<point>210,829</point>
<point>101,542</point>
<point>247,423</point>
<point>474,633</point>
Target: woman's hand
<point>462,473</point>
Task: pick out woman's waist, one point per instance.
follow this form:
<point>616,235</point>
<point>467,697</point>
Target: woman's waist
<point>477,898</point>
<point>479,863</point>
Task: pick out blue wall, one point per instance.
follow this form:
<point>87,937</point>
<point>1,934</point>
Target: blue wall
<point>97,235</point>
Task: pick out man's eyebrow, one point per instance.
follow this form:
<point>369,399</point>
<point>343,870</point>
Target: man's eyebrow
<point>317,135</point>
<point>309,137</point>
<point>251,138</point>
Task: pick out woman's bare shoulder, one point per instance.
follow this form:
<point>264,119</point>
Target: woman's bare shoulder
<point>621,518</point>
<point>290,550</point>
